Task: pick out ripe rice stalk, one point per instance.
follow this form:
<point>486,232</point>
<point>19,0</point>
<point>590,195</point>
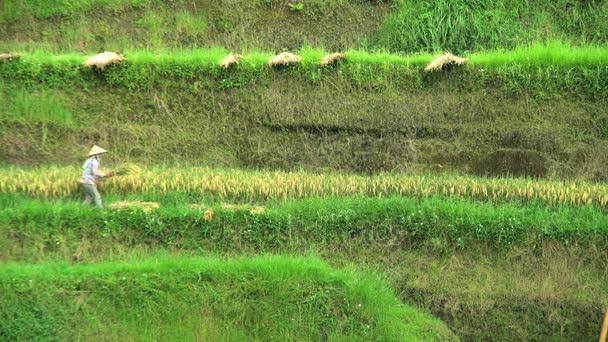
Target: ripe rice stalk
<point>208,215</point>
<point>444,61</point>
<point>207,212</point>
<point>229,60</point>
<point>104,59</point>
<point>285,58</point>
<point>331,58</point>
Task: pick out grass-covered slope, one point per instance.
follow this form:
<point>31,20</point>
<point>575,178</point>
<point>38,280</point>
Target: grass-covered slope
<point>463,25</point>
<point>155,24</point>
<point>490,271</point>
<point>178,298</point>
<point>537,111</point>
<point>398,25</point>
<point>495,258</point>
<point>31,229</point>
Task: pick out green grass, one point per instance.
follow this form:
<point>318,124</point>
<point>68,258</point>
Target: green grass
<point>33,229</point>
<point>405,26</point>
<point>460,26</point>
<point>15,9</point>
<point>186,298</point>
<point>554,54</point>
<point>483,292</point>
<point>126,25</point>
<point>34,107</point>
<point>558,294</point>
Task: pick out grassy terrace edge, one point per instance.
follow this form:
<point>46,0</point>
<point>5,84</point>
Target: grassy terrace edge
<point>552,53</point>
<point>33,227</point>
<point>542,69</point>
<point>157,296</point>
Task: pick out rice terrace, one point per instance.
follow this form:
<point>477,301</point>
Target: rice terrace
<point>303,170</point>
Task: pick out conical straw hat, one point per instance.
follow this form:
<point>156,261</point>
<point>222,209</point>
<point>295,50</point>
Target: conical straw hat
<point>96,150</point>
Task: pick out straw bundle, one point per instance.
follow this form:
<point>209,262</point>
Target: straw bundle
<point>147,206</point>
<point>284,58</point>
<point>127,169</point>
<point>331,58</point>
<point>9,56</point>
<point>229,60</point>
<point>104,59</point>
<point>444,61</point>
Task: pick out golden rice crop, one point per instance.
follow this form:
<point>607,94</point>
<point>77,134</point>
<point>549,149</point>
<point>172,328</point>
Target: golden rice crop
<point>256,186</point>
<point>207,212</point>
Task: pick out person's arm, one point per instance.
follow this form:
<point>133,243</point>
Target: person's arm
<point>97,172</point>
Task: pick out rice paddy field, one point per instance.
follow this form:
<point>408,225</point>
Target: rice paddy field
<point>304,170</point>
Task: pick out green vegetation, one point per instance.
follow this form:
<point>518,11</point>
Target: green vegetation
<point>397,26</point>
<point>156,25</point>
<point>194,298</point>
<point>536,111</point>
<point>13,10</point>
<point>554,53</point>
<point>440,222</point>
<point>461,25</point>
<point>477,193</point>
<point>556,293</point>
<point>475,265</point>
<point>41,107</point>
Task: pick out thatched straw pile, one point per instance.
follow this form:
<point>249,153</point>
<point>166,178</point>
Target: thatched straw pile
<point>444,61</point>
<point>331,58</point>
<point>127,169</point>
<point>104,59</point>
<point>229,60</point>
<point>9,56</point>
<point>284,58</point>
<point>147,206</point>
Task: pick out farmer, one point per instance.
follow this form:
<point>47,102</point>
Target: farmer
<point>90,174</point>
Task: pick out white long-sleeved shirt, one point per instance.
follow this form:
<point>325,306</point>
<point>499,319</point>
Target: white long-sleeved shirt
<point>91,171</point>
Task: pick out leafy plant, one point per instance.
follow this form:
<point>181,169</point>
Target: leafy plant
<point>298,6</point>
